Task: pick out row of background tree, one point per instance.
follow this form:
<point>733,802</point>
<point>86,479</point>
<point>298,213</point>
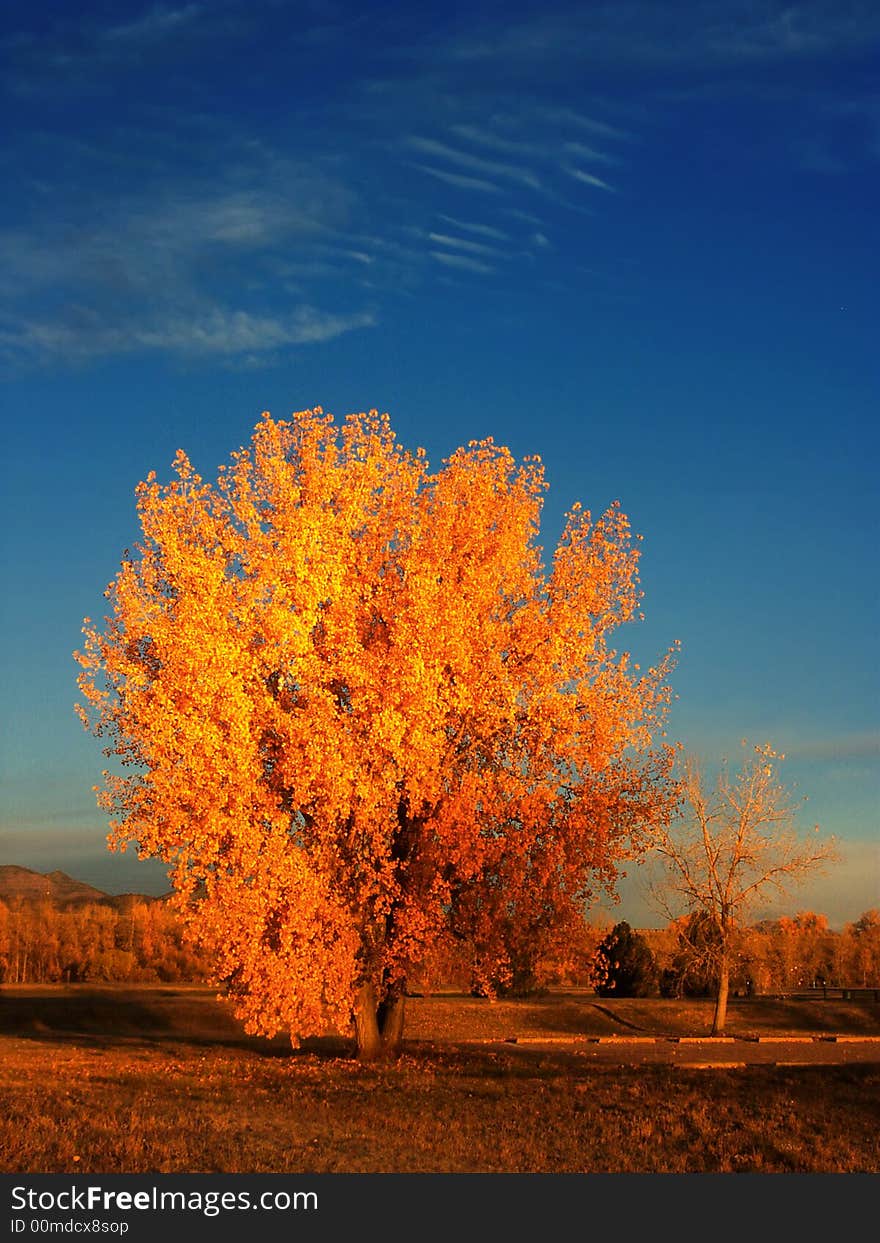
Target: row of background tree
<point>139,942</point>
<point>781,955</point>
<point>143,942</point>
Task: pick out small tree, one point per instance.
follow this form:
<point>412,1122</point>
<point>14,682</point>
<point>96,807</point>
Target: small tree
<point>728,847</point>
<point>356,714</point>
<point>626,966</point>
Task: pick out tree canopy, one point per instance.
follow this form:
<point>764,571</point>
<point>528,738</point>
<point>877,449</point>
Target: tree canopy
<point>356,715</point>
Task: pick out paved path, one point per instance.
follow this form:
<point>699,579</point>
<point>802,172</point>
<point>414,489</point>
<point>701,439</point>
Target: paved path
<point>702,1051</point>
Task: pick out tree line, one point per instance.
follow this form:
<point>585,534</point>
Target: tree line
<point>788,954</point>
<point>145,942</point>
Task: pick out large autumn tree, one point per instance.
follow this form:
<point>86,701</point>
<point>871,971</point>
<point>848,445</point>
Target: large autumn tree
<point>355,715</point>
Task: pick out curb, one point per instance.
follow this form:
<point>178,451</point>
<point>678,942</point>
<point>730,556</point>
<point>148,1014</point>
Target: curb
<point>626,1039</point>
<point>710,1065</point>
<point>713,1040</point>
<point>788,1039</point>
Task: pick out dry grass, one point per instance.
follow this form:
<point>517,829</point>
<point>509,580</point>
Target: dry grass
<point>126,1081</point>
<point>578,1012</point>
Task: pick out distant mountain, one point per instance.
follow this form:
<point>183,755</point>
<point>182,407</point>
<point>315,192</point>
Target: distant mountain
<point>59,889</point>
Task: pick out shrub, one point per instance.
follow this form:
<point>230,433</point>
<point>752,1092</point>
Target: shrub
<point>626,964</point>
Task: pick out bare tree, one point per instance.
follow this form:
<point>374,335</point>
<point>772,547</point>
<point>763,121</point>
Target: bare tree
<point>729,846</point>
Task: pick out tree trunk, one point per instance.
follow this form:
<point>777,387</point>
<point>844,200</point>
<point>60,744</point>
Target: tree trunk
<point>378,1028</point>
<point>390,1019</point>
<point>720,1017</point>
<point>366,1026</point>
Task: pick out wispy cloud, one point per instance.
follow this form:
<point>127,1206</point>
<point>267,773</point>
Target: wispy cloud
<point>552,147</point>
<point>525,39</point>
<point>386,248</point>
<point>484,137</point>
<point>84,335</point>
<point>80,51</point>
<point>640,33</point>
<point>587,179</point>
<point>461,261</point>
<point>232,332</point>
<point>517,213</point>
<point>487,168</point>
<point>843,746</point>
<point>460,243</point>
<point>583,152</point>
<point>227,230</point>
<point>785,31</point>
<point>483,230</point>
<point>457,179</point>
<point>578,120</point>
<point>158,23</point>
<point>182,267</point>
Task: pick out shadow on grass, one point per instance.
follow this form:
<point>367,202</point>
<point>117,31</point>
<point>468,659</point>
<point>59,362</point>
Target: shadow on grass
<point>589,1016</point>
<point>193,1017</point>
<point>98,1016</point>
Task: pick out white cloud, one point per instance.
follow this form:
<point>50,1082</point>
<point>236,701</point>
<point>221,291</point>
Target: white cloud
<point>78,52</point>
<point>461,261</point>
<point>215,331</point>
<point>578,120</point>
<point>459,243</point>
<point>233,332</point>
<point>587,178</point>
<point>583,152</point>
<point>636,33</point>
<point>844,746</point>
<point>458,180</point>
<point>518,214</point>
<point>497,142</point>
<point>488,168</point>
<point>159,23</point>
<point>158,270</point>
<point>484,230</point>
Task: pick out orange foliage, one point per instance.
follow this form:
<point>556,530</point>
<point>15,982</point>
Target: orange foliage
<point>354,711</point>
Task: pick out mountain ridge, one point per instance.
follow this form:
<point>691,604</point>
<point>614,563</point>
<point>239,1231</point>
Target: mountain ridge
<point>62,890</point>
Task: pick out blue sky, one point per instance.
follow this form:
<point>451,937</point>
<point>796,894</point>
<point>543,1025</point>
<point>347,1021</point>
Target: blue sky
<point>639,240</point>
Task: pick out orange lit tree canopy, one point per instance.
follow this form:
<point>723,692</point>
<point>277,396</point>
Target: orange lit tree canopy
<point>356,715</point>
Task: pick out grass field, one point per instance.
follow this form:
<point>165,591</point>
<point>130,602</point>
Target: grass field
<point>128,1080</point>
